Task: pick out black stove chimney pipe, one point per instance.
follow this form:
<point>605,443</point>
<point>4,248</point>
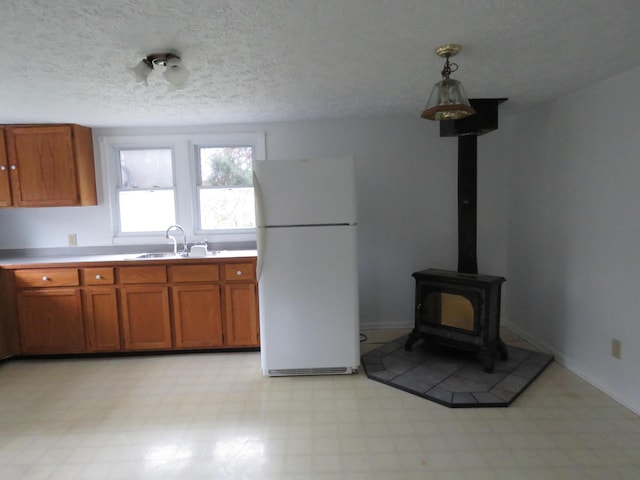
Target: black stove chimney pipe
<point>467,130</point>
<point>467,203</point>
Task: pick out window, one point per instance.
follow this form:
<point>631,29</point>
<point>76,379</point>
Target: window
<point>202,182</point>
<point>146,191</point>
<point>225,188</point>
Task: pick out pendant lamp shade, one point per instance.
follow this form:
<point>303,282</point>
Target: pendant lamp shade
<point>448,100</point>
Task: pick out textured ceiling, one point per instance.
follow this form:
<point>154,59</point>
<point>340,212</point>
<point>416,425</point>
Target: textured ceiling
<point>273,60</point>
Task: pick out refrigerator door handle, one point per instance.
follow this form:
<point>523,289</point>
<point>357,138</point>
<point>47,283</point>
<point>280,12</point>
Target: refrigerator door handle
<point>260,238</point>
<point>260,243</point>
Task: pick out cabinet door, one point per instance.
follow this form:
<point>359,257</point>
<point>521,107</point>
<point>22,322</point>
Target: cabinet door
<point>241,316</point>
<point>43,166</point>
<point>197,315</point>
<point>146,321</point>
<point>4,348</point>
<point>101,317</point>
<point>51,321</point>
<point>5,189</point>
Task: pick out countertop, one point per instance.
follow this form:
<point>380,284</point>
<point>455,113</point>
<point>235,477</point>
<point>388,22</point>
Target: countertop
<point>12,260</point>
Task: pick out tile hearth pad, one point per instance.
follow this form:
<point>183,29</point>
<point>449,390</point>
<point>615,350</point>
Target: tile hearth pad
<point>453,377</point>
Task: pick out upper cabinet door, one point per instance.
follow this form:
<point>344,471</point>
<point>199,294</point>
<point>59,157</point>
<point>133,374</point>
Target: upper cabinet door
<point>51,165</point>
<point>5,188</point>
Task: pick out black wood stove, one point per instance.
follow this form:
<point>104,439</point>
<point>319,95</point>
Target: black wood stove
<point>459,310</point>
<point>462,309</point>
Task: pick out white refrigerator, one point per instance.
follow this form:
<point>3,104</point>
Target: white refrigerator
<point>307,266</point>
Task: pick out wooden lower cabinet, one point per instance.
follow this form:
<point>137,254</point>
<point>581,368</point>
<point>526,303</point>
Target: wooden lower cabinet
<point>197,316</point>
<point>241,315</point>
<point>101,319</point>
<point>109,307</point>
<point>51,321</point>
<point>146,318</point>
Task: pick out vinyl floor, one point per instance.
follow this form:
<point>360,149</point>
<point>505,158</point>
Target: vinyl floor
<point>213,416</point>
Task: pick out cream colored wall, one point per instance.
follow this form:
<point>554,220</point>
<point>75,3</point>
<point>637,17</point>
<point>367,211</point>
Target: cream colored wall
<point>574,230</point>
<point>407,202</point>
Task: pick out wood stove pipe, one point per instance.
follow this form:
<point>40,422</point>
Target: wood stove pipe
<point>467,203</point>
<point>467,130</point>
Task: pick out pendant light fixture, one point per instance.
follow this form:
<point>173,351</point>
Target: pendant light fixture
<point>448,100</point>
<point>175,72</point>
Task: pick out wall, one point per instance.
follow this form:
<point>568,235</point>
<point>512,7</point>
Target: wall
<point>406,182</point>
<point>574,229</point>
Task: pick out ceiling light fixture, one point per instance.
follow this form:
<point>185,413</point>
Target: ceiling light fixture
<point>175,72</point>
<point>448,100</point>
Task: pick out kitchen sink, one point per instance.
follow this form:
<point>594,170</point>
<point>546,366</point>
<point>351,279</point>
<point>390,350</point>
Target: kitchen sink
<point>148,256</point>
<point>144,256</point>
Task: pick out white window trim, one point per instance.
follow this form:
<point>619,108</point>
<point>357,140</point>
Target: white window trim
<point>184,164</point>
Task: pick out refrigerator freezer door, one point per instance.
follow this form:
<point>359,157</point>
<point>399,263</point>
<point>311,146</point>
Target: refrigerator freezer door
<point>305,192</point>
<point>309,301</point>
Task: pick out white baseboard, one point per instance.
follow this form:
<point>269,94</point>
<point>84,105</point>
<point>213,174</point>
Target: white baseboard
<point>573,366</point>
<point>385,325</point>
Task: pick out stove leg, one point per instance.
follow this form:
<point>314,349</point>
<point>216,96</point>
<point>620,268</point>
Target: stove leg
<point>502,348</point>
<point>488,362</point>
<point>414,336</point>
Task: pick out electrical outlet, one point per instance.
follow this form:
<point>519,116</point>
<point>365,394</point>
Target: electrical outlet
<point>616,348</point>
<point>72,239</point>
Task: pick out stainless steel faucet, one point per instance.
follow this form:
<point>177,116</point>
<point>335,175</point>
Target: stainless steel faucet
<point>185,250</point>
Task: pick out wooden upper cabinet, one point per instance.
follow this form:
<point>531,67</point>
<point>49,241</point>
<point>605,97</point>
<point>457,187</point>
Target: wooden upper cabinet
<point>5,187</point>
<point>49,165</point>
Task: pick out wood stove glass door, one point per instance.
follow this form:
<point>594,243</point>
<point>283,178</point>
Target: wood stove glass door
<point>449,310</point>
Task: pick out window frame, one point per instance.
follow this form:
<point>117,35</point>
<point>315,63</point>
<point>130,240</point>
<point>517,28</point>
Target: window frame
<point>185,165</point>
<point>117,224</point>
<point>198,187</point>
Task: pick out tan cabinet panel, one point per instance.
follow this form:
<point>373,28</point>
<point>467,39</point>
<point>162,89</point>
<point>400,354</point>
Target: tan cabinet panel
<point>239,272</point>
<point>146,320</point>
<point>98,276</point>
<point>194,273</point>
<point>152,274</point>
<point>50,165</point>
<point>241,315</point>
<point>101,319</point>
<point>51,321</point>
<point>50,277</point>
<point>197,315</point>
<point>5,186</point>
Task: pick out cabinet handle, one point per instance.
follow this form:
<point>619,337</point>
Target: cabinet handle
<point>2,168</point>
<point>45,279</point>
<point>239,272</point>
<point>13,167</point>
<point>98,277</point>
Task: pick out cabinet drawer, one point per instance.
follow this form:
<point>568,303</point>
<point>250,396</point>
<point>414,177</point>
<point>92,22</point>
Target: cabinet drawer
<point>155,274</point>
<point>194,273</point>
<point>97,276</point>
<point>51,277</point>
<point>239,271</point>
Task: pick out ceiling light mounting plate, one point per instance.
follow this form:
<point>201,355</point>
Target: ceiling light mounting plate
<point>161,59</point>
<point>448,50</point>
